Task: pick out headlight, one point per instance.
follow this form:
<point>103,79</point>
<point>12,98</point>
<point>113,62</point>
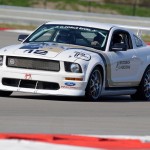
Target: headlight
<point>1,60</point>
<point>73,67</point>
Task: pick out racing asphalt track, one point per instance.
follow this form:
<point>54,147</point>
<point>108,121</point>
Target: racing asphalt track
<point>28,113</point>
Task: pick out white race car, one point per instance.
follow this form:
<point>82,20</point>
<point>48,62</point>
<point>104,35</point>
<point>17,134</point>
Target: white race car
<point>77,58</point>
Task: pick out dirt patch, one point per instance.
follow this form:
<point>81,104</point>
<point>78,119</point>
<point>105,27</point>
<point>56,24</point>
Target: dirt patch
<point>16,26</point>
<point>48,5</point>
<point>73,7</point>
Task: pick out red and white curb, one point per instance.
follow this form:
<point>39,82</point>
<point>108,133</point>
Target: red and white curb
<point>72,142</point>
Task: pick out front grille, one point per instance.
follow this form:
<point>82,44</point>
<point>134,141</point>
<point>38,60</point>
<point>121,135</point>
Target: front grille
<point>32,84</point>
<point>32,63</point>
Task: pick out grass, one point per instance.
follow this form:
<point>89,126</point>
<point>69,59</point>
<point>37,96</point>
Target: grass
<point>25,3</point>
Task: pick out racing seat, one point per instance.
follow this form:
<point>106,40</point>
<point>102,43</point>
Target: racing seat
<point>118,43</point>
<point>117,39</point>
<point>65,37</point>
<point>99,38</point>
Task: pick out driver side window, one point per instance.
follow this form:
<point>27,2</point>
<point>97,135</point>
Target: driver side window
<point>121,37</point>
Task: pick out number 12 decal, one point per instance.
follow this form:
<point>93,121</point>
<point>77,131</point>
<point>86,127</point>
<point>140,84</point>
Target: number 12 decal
<point>40,52</point>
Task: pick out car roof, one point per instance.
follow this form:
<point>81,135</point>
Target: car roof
<point>84,24</point>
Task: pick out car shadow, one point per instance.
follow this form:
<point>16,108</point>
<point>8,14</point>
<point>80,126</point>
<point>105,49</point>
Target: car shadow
<point>105,99</point>
<point>51,98</point>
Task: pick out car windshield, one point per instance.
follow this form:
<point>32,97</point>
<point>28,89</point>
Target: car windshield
<point>77,35</point>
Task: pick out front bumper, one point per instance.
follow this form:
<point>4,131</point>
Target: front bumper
<point>76,88</point>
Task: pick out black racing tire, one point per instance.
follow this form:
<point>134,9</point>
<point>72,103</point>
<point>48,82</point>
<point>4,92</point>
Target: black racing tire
<point>143,90</point>
<point>5,93</point>
<point>94,86</point>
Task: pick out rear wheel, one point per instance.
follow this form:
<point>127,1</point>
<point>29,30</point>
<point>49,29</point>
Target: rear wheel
<point>94,86</point>
<point>5,93</point>
<point>143,91</point>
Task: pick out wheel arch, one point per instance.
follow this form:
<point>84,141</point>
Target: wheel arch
<point>102,73</point>
<point>143,92</point>
<point>148,66</point>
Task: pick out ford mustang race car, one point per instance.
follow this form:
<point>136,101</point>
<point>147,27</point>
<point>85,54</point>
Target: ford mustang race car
<point>77,58</point>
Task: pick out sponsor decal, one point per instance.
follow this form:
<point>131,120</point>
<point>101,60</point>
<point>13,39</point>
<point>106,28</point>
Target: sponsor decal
<point>75,27</point>
<point>123,65</point>
<point>70,87</point>
<point>28,76</point>
<point>70,83</point>
<point>81,55</point>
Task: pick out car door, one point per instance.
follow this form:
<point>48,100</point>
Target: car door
<point>123,63</point>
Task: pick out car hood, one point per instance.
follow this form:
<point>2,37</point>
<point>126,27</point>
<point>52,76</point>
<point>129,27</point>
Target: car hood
<point>48,50</point>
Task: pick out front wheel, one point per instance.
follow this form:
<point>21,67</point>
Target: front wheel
<point>5,93</point>
<point>143,91</point>
<point>94,86</point>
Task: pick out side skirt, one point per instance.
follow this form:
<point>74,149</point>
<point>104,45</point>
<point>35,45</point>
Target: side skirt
<point>118,91</point>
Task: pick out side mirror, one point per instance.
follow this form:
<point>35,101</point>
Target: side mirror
<point>119,47</point>
<point>22,37</point>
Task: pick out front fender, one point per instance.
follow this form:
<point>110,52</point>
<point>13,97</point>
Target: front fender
<point>88,67</point>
